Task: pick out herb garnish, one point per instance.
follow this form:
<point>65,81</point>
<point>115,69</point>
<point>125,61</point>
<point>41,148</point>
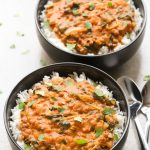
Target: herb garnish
<point>54,98</point>
<point>25,52</point>
<point>40,92</point>
<point>13,46</point>
<point>91,6</point>
<point>69,82</point>
<point>70,46</point>
<point>26,147</point>
<point>78,119</point>
<point>49,84</point>
<point>108,111</point>
<point>88,25</point>
<point>116,137</point>
<point>46,24</point>
<point>75,12</point>
<point>98,132</point>
<point>84,14</point>
<point>19,34</point>
<point>125,23</point>
<point>41,137</point>
<point>68,1</point>
<point>21,105</point>
<point>110,4</point>
<point>98,93</point>
<point>58,88</point>
<point>81,141</point>
<point>60,109</point>
<point>146,77</point>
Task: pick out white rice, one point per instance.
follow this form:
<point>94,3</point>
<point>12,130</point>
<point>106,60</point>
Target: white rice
<point>51,36</point>
<point>24,95</point>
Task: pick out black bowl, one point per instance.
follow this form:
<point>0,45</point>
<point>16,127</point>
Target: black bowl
<point>106,61</point>
<point>64,69</point>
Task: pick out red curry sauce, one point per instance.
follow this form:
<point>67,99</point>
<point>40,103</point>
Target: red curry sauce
<point>87,26</point>
<point>63,114</point>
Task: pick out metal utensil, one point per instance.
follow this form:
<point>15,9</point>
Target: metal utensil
<point>146,107</point>
<point>135,100</point>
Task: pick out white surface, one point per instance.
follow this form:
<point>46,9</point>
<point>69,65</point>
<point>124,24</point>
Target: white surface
<point>18,16</point>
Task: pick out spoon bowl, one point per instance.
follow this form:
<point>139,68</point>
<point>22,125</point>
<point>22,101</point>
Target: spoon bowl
<point>134,96</point>
<point>146,108</point>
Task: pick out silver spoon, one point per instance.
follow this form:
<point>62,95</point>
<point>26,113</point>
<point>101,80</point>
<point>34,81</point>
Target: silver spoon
<point>135,100</point>
<point>146,107</point>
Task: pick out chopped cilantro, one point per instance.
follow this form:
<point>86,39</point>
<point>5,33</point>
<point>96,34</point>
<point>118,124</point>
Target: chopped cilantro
<point>19,34</point>
<point>99,132</point>
<point>70,46</point>
<point>54,98</point>
<point>46,24</point>
<point>88,25</point>
<point>60,109</point>
<point>84,14</point>
<point>40,92</point>
<point>12,46</point>
<point>41,137</point>
<point>116,137</point>
<point>108,111</point>
<point>91,6</point>
<point>27,147</point>
<point>75,12</point>
<point>98,92</point>
<point>25,52</point>
<point>58,88</point>
<point>21,105</point>
<point>110,4</point>
<point>146,77</point>
<point>81,141</point>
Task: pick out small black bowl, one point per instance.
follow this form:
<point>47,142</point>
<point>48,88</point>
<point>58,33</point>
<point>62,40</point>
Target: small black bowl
<point>106,61</point>
<point>64,69</point>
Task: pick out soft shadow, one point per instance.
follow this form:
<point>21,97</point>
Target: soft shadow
<point>45,59</point>
<point>130,68</point>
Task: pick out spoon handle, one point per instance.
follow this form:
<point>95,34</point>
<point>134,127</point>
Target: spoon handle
<point>141,134</point>
<point>147,129</point>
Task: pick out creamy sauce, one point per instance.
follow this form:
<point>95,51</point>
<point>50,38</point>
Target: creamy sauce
<point>63,114</point>
<point>87,26</point>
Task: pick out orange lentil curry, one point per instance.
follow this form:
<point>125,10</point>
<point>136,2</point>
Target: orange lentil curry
<point>63,114</point>
<point>86,26</point>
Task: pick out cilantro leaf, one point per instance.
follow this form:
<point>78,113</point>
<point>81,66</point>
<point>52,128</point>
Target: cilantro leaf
<point>116,137</point>
<point>27,147</point>
<point>88,25</point>
<point>60,109</point>
<point>99,132</point>
<point>110,4</point>
<point>108,111</point>
<point>70,46</point>
<point>98,93</point>
<point>146,77</point>
<point>81,141</point>
<point>21,105</point>
<point>91,6</point>
<point>41,137</point>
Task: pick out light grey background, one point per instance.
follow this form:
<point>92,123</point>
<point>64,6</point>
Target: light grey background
<point>18,16</point>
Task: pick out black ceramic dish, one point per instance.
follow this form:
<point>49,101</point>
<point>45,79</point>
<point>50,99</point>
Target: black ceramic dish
<point>64,69</point>
<point>106,61</point>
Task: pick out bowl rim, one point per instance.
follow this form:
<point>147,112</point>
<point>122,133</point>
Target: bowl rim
<point>36,17</point>
<point>63,64</point>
